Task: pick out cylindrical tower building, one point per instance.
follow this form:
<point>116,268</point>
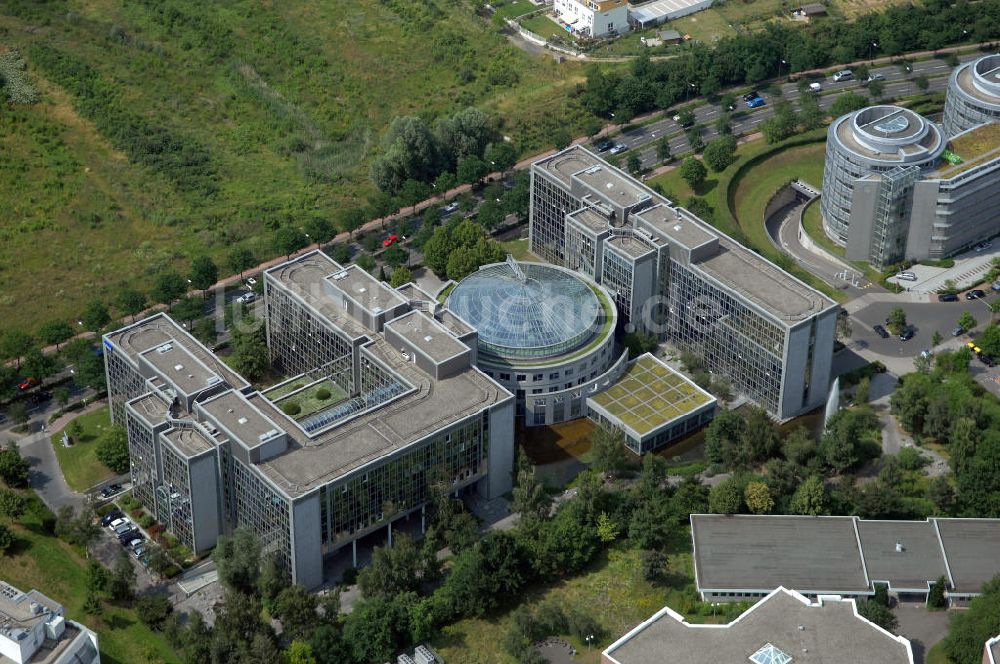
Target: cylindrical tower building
<point>973,95</point>
<point>874,140</point>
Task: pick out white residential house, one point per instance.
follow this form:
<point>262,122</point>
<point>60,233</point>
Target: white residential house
<point>593,18</point>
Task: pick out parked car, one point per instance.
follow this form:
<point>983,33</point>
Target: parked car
<point>114,523</point>
<point>755,102</point>
<point>983,246</point>
<point>251,282</point>
<point>124,528</point>
<point>875,76</point>
<point>619,148</point>
<point>987,360</point>
<point>995,286</point>
<point>139,551</point>
<point>843,75</point>
<point>906,335</point>
<point>110,490</point>
<point>975,294</point>
<point>815,87</point>
<point>27,383</point>
<point>130,536</point>
<point>881,331</point>
<point>605,145</point>
<point>391,240</point>
<point>947,297</point>
<point>111,516</point>
<point>753,94</point>
<point>906,276</point>
<point>247,298</point>
<point>958,331</point>
<point>926,354</point>
<point>449,208</point>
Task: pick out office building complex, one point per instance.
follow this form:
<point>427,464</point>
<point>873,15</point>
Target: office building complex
<point>782,628</point>
<point>593,18</point>
<point>382,399</point>
<point>897,187</point>
<point>973,95</point>
<point>545,333</point>
<point>34,630</point>
<point>740,557</point>
<point>674,276</point>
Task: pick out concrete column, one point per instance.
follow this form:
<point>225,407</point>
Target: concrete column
<point>423,523</point>
<point>390,533</point>
<point>354,553</point>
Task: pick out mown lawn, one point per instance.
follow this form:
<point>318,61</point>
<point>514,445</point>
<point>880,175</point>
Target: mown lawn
<point>50,565</point>
<point>614,593</point>
<point>79,463</point>
<point>545,27</point>
<point>518,249</point>
<point>285,102</point>
<point>514,9</point>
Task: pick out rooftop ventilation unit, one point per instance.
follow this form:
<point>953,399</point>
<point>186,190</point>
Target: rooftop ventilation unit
<point>428,338</point>
<point>178,367</point>
<point>899,547</point>
<point>677,228</point>
<point>361,289</point>
<point>242,420</point>
<point>340,275</point>
<point>214,380</point>
<point>268,435</point>
<point>165,348</point>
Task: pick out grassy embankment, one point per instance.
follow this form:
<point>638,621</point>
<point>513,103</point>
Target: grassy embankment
<point>79,463</point>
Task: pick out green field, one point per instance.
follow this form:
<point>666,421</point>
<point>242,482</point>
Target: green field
<point>514,9</point>
<point>169,129</point>
<point>79,463</point>
<point>50,565</point>
<point>614,593</point>
<point>310,403</point>
<point>546,28</point>
<point>518,249</point>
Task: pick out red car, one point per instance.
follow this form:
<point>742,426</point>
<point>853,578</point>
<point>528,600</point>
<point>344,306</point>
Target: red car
<point>391,240</point>
<point>27,384</point>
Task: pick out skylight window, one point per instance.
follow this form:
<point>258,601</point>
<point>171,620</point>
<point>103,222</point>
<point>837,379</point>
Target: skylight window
<point>893,125</point>
<point>770,655</point>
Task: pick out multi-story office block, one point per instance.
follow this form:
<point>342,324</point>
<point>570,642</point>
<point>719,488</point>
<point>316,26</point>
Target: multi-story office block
<point>674,276</point>
<point>894,189</point>
<point>546,333</point>
<point>973,95</point>
<point>381,400</point>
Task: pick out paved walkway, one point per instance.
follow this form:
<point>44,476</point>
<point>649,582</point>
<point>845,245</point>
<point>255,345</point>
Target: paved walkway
<point>970,268</point>
<point>46,475</point>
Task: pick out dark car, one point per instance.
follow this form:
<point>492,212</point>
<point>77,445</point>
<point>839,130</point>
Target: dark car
<point>753,94</point>
<point>605,145</point>
<point>987,360</point>
<point>975,294</point>
<point>947,297</point>
<point>906,335</point>
<point>881,331</point>
<point>129,537</point>
<point>111,516</point>
<point>110,490</point>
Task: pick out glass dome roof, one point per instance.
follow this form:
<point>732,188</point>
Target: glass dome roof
<point>527,310</point>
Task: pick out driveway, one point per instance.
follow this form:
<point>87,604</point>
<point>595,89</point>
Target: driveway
<point>46,476</point>
<point>923,628</point>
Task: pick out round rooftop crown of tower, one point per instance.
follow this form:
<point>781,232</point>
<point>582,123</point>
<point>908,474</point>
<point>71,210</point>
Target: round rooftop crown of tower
<point>973,95</point>
<point>528,310</point>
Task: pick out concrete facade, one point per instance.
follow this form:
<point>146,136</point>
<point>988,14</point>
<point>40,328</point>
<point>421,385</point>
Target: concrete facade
<point>973,95</point>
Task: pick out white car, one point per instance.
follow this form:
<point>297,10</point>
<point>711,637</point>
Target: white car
<point>906,276</point>
<point>815,87</point>
<point>844,75</point>
<point>619,148</point>
<point>449,208</point>
<point>875,77</point>
<point>247,298</point>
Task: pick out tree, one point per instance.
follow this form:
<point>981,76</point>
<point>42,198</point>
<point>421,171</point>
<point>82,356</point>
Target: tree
<point>686,118</point>
<point>251,357</point>
<point>18,413</point>
<point>130,301</point>
<point>896,320</point>
<point>410,152</point>
<point>464,134</point>
<point>922,82</point>
<point>758,498</point>
<point>39,365</point>
<point>472,169</point>
<point>966,321</point>
<point>633,163</point>
<point>530,500</point>
<point>693,172</point>
<point>720,153</point>
<point>810,497</point>
<point>121,584</point>
<point>878,614</point>
<point>7,539</point>
<point>663,150</point>
<point>54,332</point>
<point>168,287</point>
<point>204,273</point>
<point>112,451</point>
<point>693,135</point>
<point>607,449</point>
<point>970,629</point>
<point>607,529</point>
<point>12,505</point>
<point>936,339</point>
<point>847,102</point>
<point>92,605</point>
<point>14,469</point>
<point>14,344</point>
<point>401,275</point>
<point>295,607</point>
<point>394,569</point>
<point>288,240</point>
<point>561,138</point>
<point>876,89</point>
<point>238,561</point>
<point>240,260</point>
<point>782,124</point>
<point>501,156</point>
<point>187,309</point>
<point>726,497</point>
<point>377,627</point>
<point>395,256</point>
<point>299,652</point>
<point>154,610</point>
<point>79,529</point>
<point>350,220</point>
<point>936,595</point>
<point>863,391</point>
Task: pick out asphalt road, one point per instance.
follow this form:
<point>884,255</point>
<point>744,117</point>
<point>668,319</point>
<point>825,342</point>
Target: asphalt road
<point>924,318</point>
<point>897,84</point>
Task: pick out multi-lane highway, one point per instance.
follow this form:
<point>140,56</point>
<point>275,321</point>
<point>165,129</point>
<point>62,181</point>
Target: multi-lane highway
<point>898,83</point>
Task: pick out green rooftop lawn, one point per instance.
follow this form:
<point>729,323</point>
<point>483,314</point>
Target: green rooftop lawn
<point>79,463</point>
<point>312,404</point>
<point>276,393</point>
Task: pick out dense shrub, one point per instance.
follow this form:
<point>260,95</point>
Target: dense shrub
<point>291,408</point>
<point>322,394</point>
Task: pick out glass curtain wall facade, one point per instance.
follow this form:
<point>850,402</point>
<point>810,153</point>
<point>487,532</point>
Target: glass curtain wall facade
<point>549,205</point>
<point>124,383</point>
<point>362,503</point>
<point>142,453</point>
<point>889,224</point>
<point>175,492</point>
<point>729,336</point>
<point>251,503</point>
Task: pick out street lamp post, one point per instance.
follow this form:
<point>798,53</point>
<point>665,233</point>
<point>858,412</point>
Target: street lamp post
<point>687,94</point>
<point>780,63</point>
<point>871,52</point>
<point>589,639</point>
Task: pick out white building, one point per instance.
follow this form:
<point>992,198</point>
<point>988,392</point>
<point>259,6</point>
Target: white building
<point>34,630</point>
<point>593,18</point>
